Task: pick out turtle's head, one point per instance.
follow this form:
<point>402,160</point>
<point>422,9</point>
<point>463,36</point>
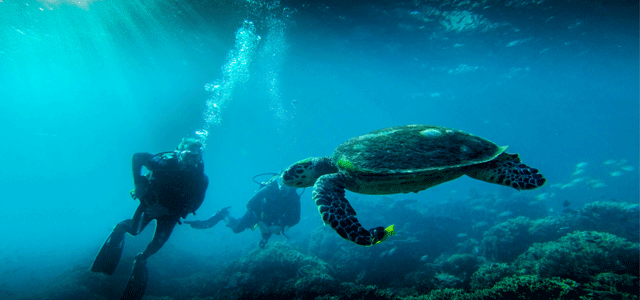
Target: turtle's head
<point>304,173</point>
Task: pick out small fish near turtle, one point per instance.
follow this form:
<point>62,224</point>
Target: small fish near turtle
<point>401,159</point>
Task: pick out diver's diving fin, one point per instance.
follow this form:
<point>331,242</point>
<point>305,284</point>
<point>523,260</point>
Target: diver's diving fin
<point>109,256</point>
<point>137,283</point>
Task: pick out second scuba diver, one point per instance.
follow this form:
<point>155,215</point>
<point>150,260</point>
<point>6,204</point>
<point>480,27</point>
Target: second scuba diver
<point>273,209</point>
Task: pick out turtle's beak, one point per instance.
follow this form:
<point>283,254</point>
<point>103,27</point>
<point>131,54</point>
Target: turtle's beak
<point>293,177</point>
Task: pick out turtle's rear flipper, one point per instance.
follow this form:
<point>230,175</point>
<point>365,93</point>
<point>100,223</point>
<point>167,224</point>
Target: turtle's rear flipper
<point>507,169</point>
<point>336,211</point>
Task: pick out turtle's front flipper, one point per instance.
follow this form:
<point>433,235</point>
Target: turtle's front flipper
<point>336,211</point>
<point>507,169</point>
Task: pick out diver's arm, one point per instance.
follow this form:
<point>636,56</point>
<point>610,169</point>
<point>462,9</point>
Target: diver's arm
<point>139,159</point>
<point>204,224</point>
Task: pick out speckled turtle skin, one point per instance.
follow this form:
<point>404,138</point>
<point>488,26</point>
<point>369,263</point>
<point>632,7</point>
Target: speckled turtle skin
<point>402,159</point>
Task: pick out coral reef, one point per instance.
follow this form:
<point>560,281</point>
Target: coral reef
<point>514,287</point>
<point>621,219</point>
<point>581,255</point>
<point>349,290</point>
<point>279,269</point>
<point>452,271</point>
<point>605,286</point>
<point>489,274</point>
<point>612,286</point>
<point>431,257</point>
<point>346,259</point>
<point>460,264</point>
<point>505,241</point>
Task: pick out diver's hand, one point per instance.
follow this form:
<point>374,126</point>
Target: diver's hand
<point>276,229</point>
<point>195,224</point>
<point>223,213</point>
<point>267,231</point>
<point>141,189</point>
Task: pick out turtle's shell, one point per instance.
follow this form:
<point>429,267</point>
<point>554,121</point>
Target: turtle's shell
<point>419,150</point>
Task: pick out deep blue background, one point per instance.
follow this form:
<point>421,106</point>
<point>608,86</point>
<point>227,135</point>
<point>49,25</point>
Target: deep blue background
<point>83,87</point>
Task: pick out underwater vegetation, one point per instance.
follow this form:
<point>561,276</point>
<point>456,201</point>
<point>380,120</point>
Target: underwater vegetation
<point>506,240</point>
<point>580,254</point>
<point>589,253</point>
<point>280,269</point>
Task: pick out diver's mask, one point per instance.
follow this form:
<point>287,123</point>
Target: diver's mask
<point>188,158</point>
<point>189,152</point>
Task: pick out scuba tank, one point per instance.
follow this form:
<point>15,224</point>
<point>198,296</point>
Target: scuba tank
<point>173,196</point>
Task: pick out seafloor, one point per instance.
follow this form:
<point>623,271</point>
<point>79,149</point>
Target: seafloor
<point>586,253</point>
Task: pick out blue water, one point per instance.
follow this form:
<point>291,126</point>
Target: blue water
<point>84,86</point>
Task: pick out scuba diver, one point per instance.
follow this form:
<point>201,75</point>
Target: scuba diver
<point>174,187</point>
<point>273,209</point>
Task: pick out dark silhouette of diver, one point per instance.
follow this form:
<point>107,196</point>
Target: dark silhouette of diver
<point>174,187</point>
<point>273,209</point>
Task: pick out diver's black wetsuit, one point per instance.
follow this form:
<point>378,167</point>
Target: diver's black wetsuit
<point>274,204</point>
<point>173,188</point>
<point>169,192</point>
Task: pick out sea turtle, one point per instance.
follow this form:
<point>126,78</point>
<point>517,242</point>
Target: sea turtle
<point>401,159</point>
